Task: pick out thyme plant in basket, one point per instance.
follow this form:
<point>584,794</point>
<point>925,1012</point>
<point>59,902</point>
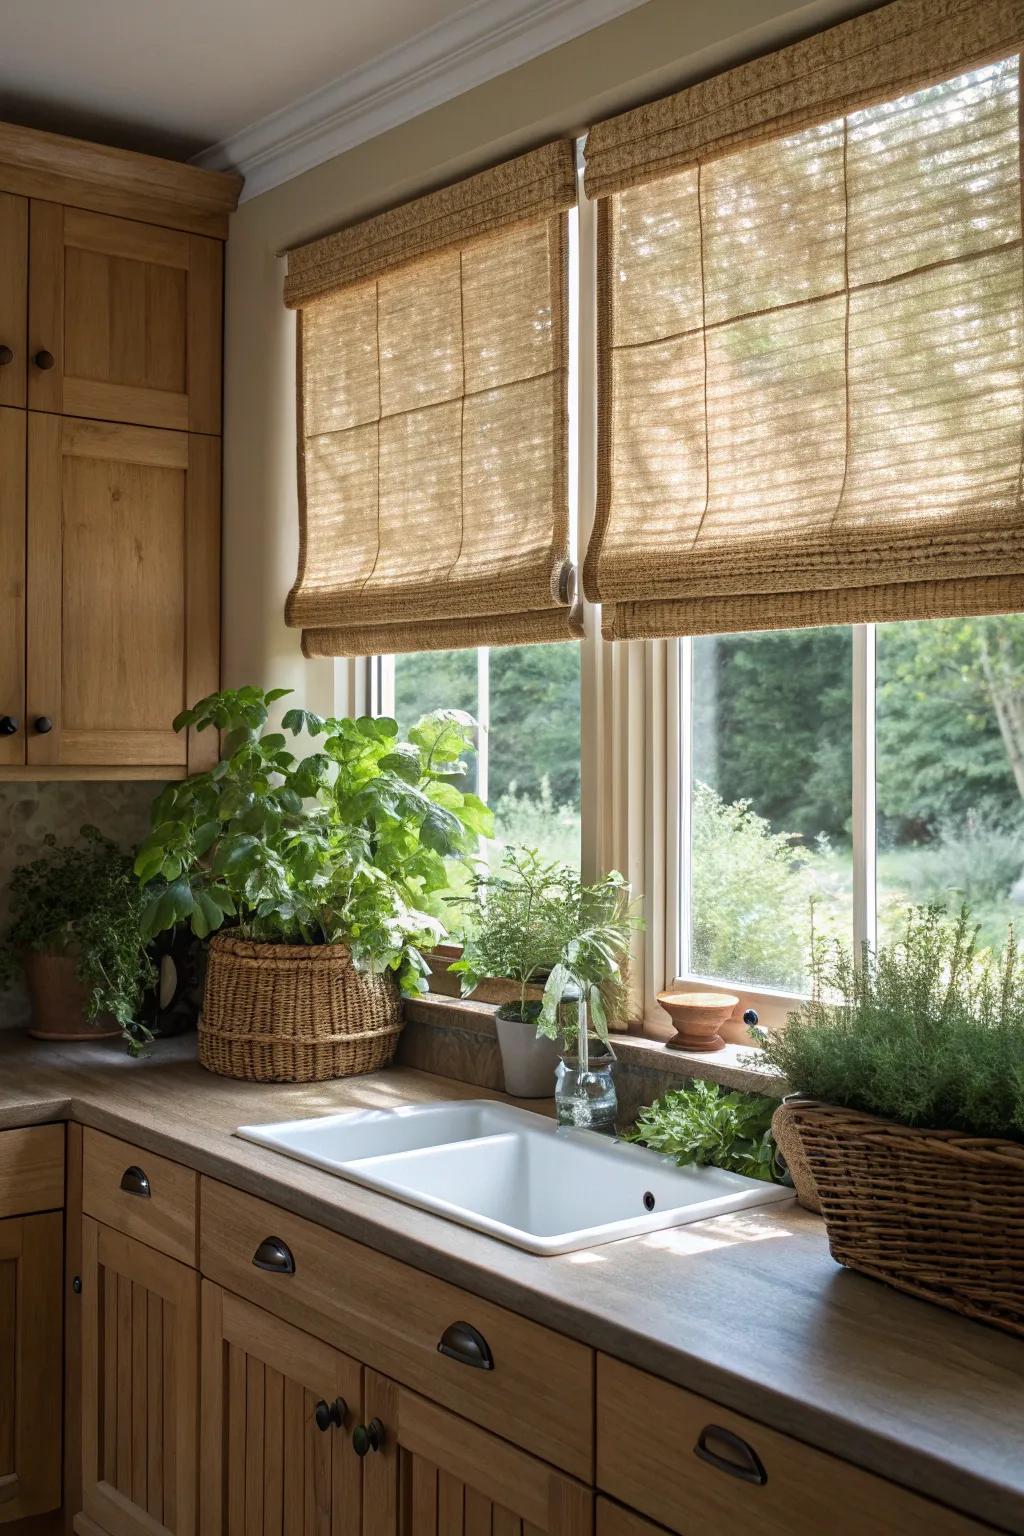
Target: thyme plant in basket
<point>350,843</point>
<point>928,1030</point>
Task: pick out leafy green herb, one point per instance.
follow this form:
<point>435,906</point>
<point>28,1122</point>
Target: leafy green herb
<point>352,843</point>
<point>928,1031</point>
<point>83,901</point>
<point>534,921</point>
<point>707,1124</point>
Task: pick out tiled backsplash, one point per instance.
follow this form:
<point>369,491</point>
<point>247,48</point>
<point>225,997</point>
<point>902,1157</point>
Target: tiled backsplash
<point>29,811</point>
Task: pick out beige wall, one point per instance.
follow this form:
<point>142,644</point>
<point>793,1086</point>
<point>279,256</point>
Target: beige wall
<point>645,53</point>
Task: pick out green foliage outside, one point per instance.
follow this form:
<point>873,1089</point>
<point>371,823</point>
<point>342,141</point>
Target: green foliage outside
<point>83,901</point>
<point>708,1125</point>
<point>353,843</point>
<point>928,1031</point>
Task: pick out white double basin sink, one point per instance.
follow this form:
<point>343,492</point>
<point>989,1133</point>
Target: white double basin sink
<point>513,1174</point>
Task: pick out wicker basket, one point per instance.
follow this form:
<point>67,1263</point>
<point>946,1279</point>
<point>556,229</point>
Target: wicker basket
<point>294,1013</point>
<point>936,1213</point>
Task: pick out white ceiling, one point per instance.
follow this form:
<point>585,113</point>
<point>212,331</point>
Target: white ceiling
<point>173,77</point>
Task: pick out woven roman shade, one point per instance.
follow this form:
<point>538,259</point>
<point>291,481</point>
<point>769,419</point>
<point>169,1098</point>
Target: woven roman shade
<point>433,420</point>
<point>811,334</point>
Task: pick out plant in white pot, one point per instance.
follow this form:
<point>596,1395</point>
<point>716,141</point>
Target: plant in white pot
<point>319,879</point>
<point>536,924</point>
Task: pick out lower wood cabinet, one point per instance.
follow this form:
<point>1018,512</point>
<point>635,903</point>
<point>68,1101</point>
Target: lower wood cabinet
<point>31,1364</point>
<point>429,1473</point>
<point>278,1412</point>
<point>613,1520</point>
<point>140,1388</point>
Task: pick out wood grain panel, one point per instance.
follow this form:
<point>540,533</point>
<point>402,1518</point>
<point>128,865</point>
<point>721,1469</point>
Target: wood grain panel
<point>88,231</point>
<point>140,1395</point>
<point>31,1283</point>
<point>437,1475</point>
<point>398,1314</point>
<point>13,296</point>
<point>31,1169</point>
<point>267,1468</point>
<point>205,333</point>
<point>613,1520</point>
<point>202,591</point>
<point>12,576</point>
<point>45,303</point>
<point>167,1220</point>
<point>658,1473</point>
<point>44,585</point>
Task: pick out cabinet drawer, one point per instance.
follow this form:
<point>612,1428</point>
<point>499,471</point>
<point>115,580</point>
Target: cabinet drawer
<point>539,1391</point>
<point>748,1477</point>
<point>31,1170</point>
<point>140,1194</point>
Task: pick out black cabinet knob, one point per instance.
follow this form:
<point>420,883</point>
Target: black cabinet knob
<point>8,725</point>
<point>368,1437</point>
<point>6,356</point>
<point>43,360</point>
<point>327,1414</point>
<point>43,724</point>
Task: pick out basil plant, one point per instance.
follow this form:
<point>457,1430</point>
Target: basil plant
<point>355,842</point>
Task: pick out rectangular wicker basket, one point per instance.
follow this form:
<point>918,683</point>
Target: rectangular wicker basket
<point>936,1213</point>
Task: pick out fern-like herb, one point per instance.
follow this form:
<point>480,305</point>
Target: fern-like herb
<point>927,1031</point>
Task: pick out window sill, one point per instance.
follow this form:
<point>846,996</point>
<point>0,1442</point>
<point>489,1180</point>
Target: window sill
<point>733,1066</point>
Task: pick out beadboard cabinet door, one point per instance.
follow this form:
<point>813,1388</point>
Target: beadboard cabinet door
<point>428,1472</point>
<point>31,1286</point>
<point>123,593</point>
<point>140,1387</point>
<point>13,297</point>
<point>12,586</point>
<point>278,1410</point>
<point>124,320</point>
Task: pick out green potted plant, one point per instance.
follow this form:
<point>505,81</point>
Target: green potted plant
<point>75,931</point>
<point>537,926</point>
<point>318,879</point>
<point>907,1131</point>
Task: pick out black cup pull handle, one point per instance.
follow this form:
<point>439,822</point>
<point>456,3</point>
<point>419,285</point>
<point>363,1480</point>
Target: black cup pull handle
<point>135,1182</point>
<point>274,1256</point>
<point>327,1414</point>
<point>462,1342</point>
<point>744,1462</point>
<point>368,1437</point>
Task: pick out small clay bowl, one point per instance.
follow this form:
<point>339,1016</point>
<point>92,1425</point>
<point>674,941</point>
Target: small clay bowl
<point>697,1017</point>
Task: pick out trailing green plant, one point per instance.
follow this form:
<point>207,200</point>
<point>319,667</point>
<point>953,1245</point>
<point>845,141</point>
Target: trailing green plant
<point>928,1030</point>
<point>82,900</point>
<point>534,920</point>
<point>707,1124</point>
<point>351,843</point>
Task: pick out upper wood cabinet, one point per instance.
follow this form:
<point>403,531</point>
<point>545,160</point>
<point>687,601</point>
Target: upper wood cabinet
<point>123,592</point>
<point>13,297</point>
<point>12,585</point>
<point>124,320</point>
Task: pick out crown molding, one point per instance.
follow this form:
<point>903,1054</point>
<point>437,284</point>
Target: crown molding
<point>486,39</point>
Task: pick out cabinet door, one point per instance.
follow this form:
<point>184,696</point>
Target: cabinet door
<point>613,1520</point>
<point>123,592</point>
<point>268,1466</point>
<point>31,1337</point>
<point>429,1473</point>
<point>140,1386</point>
<point>124,320</point>
<point>12,583</point>
<point>13,297</point>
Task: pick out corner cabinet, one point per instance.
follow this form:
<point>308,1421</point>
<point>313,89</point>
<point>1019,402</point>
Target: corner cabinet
<point>111,300</point>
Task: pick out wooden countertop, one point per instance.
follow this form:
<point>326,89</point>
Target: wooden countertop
<point>747,1309</point>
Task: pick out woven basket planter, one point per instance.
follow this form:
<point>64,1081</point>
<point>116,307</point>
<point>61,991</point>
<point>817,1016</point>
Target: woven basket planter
<point>936,1213</point>
<point>294,1013</point>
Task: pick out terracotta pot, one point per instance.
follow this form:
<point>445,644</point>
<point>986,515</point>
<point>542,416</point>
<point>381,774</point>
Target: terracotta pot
<point>58,1000</point>
<point>697,1017</point>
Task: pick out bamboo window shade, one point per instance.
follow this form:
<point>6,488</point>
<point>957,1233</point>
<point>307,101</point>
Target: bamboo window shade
<point>432,377</point>
<point>811,334</point>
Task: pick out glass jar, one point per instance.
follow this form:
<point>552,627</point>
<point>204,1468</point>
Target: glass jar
<point>586,1100</point>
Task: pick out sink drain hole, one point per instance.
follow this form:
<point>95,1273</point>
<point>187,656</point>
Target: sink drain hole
<point>648,1201</point>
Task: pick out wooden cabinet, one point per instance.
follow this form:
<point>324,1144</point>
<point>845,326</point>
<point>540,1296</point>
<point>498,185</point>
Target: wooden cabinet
<point>124,320</point>
<point>140,1194</point>
<point>123,582</point>
<point>111,299</point>
<point>30,1364</point>
<point>140,1387</point>
<point>613,1520</point>
<point>277,1418</point>
<point>429,1473</point>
